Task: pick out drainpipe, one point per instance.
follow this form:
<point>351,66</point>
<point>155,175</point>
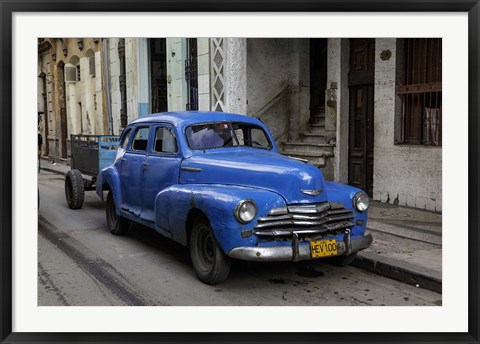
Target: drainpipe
<point>106,61</point>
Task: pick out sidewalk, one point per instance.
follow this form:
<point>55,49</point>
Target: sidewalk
<point>407,242</point>
<point>407,245</point>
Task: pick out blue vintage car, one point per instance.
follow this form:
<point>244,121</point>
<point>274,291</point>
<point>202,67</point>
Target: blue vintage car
<point>216,182</point>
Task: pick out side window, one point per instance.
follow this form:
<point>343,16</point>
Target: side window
<point>165,141</point>
<point>259,139</point>
<point>140,139</point>
<point>125,140</point>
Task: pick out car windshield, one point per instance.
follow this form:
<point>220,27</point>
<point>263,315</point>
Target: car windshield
<point>226,134</point>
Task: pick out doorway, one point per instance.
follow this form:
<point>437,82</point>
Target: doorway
<point>318,77</point>
<point>158,68</point>
<point>361,97</point>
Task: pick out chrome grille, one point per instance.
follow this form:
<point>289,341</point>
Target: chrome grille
<point>305,219</point>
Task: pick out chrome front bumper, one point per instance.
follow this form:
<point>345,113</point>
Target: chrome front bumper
<point>298,251</point>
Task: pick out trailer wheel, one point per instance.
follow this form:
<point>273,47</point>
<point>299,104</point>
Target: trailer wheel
<point>74,189</point>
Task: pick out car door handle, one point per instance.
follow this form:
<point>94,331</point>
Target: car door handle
<point>191,169</point>
<point>123,159</point>
<point>145,164</point>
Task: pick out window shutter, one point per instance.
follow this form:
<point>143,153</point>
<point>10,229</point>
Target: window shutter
<point>70,74</point>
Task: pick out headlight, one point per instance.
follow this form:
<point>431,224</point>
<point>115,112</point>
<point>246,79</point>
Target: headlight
<point>360,201</point>
<point>245,211</point>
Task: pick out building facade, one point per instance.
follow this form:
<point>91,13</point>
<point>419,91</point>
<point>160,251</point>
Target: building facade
<point>365,111</point>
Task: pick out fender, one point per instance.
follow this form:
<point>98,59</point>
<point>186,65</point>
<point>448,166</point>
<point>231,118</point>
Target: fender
<point>218,203</point>
<point>345,193</point>
<point>109,176</point>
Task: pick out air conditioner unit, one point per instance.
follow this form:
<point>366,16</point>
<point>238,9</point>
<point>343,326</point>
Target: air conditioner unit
<point>71,74</point>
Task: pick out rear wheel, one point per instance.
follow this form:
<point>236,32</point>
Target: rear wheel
<point>210,263</point>
<point>117,224</point>
<point>74,189</point>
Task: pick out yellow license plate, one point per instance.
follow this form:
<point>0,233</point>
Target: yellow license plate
<point>323,248</point>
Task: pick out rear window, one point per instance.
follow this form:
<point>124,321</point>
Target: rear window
<point>140,140</point>
<point>226,134</point>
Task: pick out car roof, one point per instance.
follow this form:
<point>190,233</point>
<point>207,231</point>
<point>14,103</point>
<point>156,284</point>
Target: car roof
<point>185,118</point>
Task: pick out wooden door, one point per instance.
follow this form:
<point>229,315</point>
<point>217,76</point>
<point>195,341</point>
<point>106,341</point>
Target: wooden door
<point>361,78</point>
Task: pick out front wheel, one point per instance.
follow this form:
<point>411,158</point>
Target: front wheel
<point>117,224</point>
<point>210,263</point>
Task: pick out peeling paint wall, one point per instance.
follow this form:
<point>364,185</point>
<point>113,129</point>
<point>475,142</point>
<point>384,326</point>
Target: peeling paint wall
<point>115,96</point>
<point>84,108</point>
<point>177,85</point>
<point>337,113</point>
<point>279,83</point>
<point>403,174</point>
<point>99,117</point>
<point>236,75</point>
<point>131,77</point>
<point>45,66</point>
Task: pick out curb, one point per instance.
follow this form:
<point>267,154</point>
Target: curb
<point>49,169</point>
<point>400,271</point>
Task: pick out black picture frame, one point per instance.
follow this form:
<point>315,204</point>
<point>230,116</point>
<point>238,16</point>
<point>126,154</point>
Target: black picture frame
<point>9,7</point>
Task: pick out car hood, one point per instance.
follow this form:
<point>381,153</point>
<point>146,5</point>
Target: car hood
<point>256,168</point>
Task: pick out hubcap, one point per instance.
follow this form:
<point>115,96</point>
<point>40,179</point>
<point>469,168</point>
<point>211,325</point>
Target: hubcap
<point>205,249</point>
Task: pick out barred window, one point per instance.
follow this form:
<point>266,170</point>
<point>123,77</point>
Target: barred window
<point>191,74</point>
<point>420,91</point>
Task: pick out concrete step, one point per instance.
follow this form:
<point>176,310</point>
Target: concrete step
<point>312,137</point>
<point>320,111</point>
<point>317,129</point>
<point>315,147</point>
<point>317,121</point>
<point>317,153</point>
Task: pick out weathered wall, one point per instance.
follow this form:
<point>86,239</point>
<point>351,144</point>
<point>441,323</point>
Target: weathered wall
<point>83,111</point>
<point>403,174</point>
<point>115,96</point>
<point>278,73</point>
<point>45,67</point>
<point>131,71</point>
<point>100,128</point>
<point>236,75</point>
<point>177,85</point>
<point>336,107</point>
<point>142,73</point>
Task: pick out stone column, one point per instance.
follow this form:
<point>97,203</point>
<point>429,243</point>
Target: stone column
<point>229,74</point>
<point>236,85</point>
<point>336,107</point>
<point>387,185</point>
<point>142,77</point>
